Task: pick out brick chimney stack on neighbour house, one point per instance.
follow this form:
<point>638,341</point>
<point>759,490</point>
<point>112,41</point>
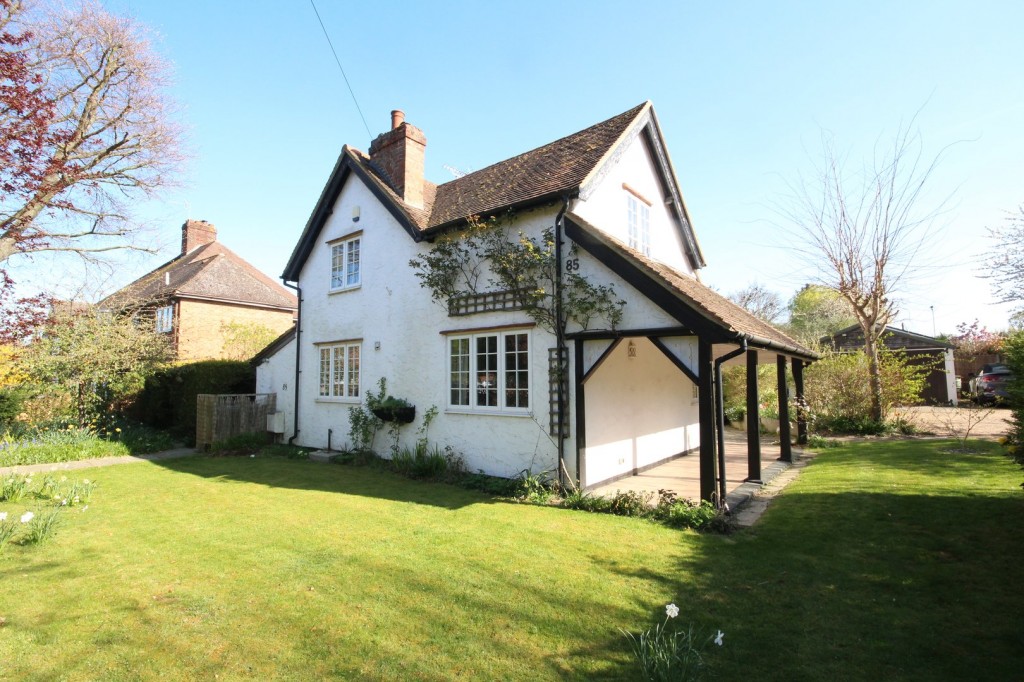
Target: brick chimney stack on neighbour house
<point>399,153</point>
<point>196,233</point>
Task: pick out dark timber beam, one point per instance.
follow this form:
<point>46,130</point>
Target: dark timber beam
<point>785,444</point>
<point>660,345</point>
<point>581,414</point>
<point>753,421</point>
<point>706,385</point>
<point>801,413</point>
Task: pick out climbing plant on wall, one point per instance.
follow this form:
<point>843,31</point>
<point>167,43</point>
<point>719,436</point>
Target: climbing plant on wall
<point>493,256</point>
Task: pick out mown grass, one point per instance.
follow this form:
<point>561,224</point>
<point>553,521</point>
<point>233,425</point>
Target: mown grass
<point>882,561</point>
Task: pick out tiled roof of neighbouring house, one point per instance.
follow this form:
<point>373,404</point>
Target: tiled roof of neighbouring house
<point>211,272</point>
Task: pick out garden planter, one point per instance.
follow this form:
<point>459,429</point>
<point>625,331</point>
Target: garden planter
<point>402,415</point>
<point>770,425</point>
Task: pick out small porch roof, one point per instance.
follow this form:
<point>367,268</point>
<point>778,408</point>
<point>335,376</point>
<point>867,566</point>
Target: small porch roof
<point>697,307</point>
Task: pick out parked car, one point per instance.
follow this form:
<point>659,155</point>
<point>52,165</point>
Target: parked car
<point>990,386</point>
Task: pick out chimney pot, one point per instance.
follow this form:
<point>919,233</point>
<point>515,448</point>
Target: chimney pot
<point>196,233</point>
<point>397,118</point>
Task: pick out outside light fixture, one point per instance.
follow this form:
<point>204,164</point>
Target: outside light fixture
<point>631,350</point>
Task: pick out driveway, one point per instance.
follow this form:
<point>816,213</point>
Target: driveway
<point>983,422</point>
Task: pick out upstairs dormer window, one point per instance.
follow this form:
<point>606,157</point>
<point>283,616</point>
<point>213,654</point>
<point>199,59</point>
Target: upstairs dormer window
<point>638,217</point>
<point>345,254</point>
<point>164,319</point>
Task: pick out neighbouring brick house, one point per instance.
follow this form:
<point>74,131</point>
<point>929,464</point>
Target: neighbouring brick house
<point>203,294</point>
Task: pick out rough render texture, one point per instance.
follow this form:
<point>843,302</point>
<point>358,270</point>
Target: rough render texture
<point>200,326</point>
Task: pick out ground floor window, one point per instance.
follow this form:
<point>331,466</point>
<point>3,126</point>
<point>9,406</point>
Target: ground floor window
<point>339,370</point>
<point>490,371</point>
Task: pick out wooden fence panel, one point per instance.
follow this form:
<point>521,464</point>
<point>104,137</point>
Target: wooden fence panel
<point>223,416</point>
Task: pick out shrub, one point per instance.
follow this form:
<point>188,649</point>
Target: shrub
<point>531,487</point>
<point>1013,351</point>
<point>421,462</point>
<point>12,403</point>
<point>630,503</point>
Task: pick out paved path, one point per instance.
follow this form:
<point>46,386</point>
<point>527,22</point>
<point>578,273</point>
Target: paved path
<point>98,462</point>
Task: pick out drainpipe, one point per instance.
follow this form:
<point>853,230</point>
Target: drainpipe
<point>560,343</point>
<point>720,418</point>
<point>298,349</point>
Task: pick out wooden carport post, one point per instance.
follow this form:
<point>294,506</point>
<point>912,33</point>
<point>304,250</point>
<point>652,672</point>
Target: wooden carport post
<point>706,375</point>
<point>785,446</point>
<point>753,421</point>
<point>801,412</point>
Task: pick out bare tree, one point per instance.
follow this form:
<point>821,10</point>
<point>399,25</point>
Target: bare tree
<point>109,136</point>
<point>864,230</point>
<point>1007,260</point>
<point>759,301</point>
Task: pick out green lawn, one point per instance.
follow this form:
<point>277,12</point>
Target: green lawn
<point>888,560</point>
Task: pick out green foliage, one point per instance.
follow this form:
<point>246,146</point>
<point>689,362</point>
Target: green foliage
<point>669,654</point>
<point>1013,352</point>
<point>362,423</point>
<point>421,461</point>
<point>514,262</point>
<point>12,402</point>
<point>96,360</point>
<point>68,443</point>
<point>168,400</point>
<point>41,527</point>
<point>243,340</point>
<point>532,487</point>
<point>631,503</point>
<point>838,392</point>
<point>8,529</point>
<point>242,444</point>
<point>816,311</point>
<point>14,487</point>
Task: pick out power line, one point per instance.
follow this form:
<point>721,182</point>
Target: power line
<point>342,69</point>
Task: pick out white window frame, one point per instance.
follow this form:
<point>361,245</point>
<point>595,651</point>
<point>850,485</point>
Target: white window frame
<point>339,370</point>
<point>638,220</point>
<point>163,319</point>
<point>469,387</point>
<point>346,263</point>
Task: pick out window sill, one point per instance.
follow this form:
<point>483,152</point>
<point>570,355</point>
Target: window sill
<point>487,413</point>
<point>344,290</point>
<point>340,401</point>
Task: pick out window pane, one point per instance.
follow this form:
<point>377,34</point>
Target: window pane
<point>517,392</point>
<point>352,272</point>
<point>631,207</point>
<point>338,384</point>
<point>353,371</point>
<point>487,371</point>
<point>459,372</point>
<point>325,371</point>
<point>337,266</point>
<point>645,230</point>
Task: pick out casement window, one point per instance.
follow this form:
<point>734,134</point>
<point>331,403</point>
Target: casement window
<point>489,372</point>
<point>164,319</point>
<point>638,216</point>
<point>345,264</point>
<point>339,370</point>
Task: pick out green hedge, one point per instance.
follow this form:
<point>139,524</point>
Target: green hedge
<point>168,400</point>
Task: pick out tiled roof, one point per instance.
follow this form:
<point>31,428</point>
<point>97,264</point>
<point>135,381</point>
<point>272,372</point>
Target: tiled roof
<point>558,167</point>
<point>702,299</point>
<point>213,272</point>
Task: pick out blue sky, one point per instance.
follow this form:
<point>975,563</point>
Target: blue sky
<point>743,92</point>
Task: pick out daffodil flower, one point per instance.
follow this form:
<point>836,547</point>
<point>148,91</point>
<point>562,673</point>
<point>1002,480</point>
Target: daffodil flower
<point>671,610</point>
<point>27,516</point>
<point>718,638</point>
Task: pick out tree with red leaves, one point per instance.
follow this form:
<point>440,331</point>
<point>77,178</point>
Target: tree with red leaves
<point>84,129</point>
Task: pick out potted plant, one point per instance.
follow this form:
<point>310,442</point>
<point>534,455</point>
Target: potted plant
<point>393,409</point>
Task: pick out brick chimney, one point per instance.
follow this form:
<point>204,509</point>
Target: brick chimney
<point>399,154</point>
<point>196,233</point>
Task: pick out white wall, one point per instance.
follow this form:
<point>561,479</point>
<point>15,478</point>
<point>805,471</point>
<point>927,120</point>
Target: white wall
<point>276,374</point>
<point>640,410</point>
<point>605,206</point>
<point>399,327</point>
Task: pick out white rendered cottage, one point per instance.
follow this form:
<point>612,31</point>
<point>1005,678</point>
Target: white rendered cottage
<point>631,397</point>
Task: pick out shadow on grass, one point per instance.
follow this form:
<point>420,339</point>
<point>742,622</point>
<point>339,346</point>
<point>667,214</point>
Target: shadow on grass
<point>910,584</point>
<point>278,472</point>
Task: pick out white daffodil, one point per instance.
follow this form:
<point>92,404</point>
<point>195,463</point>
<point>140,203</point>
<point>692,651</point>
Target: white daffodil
<point>718,638</point>
<point>3,516</point>
<point>27,516</point>
<point>671,610</point>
